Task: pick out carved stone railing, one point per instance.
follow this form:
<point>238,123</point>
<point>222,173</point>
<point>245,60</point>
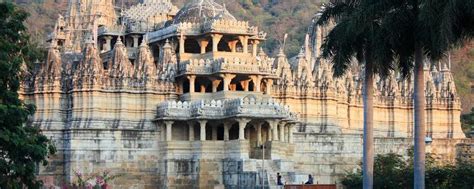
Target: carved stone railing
<point>229,26</point>
<point>225,65</point>
<point>221,109</point>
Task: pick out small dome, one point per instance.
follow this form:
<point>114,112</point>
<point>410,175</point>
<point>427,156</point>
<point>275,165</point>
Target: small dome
<point>202,10</point>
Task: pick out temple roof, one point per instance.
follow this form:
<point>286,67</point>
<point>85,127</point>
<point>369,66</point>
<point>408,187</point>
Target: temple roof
<point>202,10</point>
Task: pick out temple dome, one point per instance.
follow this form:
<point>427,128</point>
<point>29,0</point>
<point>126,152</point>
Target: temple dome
<point>202,10</point>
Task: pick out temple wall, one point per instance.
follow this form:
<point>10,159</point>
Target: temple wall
<point>331,116</point>
<point>328,157</point>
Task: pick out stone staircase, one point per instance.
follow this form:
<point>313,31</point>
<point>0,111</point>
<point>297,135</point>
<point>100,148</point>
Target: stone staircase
<point>269,174</point>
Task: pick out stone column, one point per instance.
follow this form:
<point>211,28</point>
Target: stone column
<point>227,126</point>
<point>203,88</point>
<point>245,84</point>
<point>215,84</point>
<point>169,125</point>
<point>257,79</point>
<point>290,133</point>
<point>227,80</point>
<point>203,44</point>
<point>108,43</point>
<point>192,79</point>
<point>269,83</point>
<point>233,45</point>
<point>281,131</point>
<point>216,38</point>
<point>255,47</point>
<point>203,123</point>
<point>214,132</point>
<point>182,41</point>
<point>245,43</point>
<point>162,132</point>
<point>274,126</point>
<point>191,131</point>
<point>135,40</point>
<point>242,125</point>
<point>286,133</point>
<point>259,133</point>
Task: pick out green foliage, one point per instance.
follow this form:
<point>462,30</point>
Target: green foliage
<point>22,147</point>
<point>467,121</point>
<point>393,171</point>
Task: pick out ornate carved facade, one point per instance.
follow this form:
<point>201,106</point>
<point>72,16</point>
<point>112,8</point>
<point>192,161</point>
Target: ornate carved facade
<point>178,98</point>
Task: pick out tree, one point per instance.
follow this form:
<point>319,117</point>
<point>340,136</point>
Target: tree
<point>358,34</point>
<point>394,171</point>
<point>22,147</point>
<point>422,28</point>
<point>467,121</point>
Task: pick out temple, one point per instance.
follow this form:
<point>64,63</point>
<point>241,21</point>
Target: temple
<point>187,98</point>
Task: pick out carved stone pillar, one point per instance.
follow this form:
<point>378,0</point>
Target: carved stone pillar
<point>259,133</point>
<point>191,131</point>
<point>257,79</point>
<point>274,127</point>
<point>245,43</point>
<point>203,44</point>
<point>203,88</point>
<point>108,43</point>
<point>215,84</point>
<point>269,85</point>
<point>227,126</point>
<point>290,133</point>
<point>242,125</point>
<point>182,40</point>
<point>214,132</point>
<point>227,80</point>
<point>135,40</point>
<point>287,130</point>
<point>203,123</point>
<point>281,131</point>
<point>255,47</point>
<point>169,125</point>
<point>245,84</point>
<point>216,38</point>
<point>192,79</point>
<point>233,45</point>
<point>162,131</point>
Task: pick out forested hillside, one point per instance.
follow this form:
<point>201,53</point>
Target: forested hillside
<point>276,17</point>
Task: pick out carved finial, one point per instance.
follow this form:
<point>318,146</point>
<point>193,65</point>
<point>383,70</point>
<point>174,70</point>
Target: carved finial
<point>119,41</point>
<point>144,41</point>
<point>167,45</point>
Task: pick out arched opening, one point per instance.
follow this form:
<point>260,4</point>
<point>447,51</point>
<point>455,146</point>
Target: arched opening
<point>220,132</point>
<point>234,132</point>
<point>239,47</point>
<point>223,46</point>
<point>266,133</point>
<point>208,132</point>
<point>263,86</point>
<point>251,85</point>
<point>235,85</point>
<point>191,46</point>
<point>180,131</point>
<point>203,85</point>
<point>220,87</point>
<point>186,86</point>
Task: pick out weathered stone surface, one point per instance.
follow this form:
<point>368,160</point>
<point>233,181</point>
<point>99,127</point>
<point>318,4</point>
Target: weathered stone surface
<point>107,95</point>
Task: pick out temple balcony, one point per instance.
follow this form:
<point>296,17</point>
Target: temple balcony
<point>221,95</point>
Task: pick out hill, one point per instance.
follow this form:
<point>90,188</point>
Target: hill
<point>276,17</point>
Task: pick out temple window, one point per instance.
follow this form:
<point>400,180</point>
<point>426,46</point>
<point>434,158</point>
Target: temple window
<point>192,46</point>
<point>186,86</point>
<point>203,85</point>
<point>223,46</point>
